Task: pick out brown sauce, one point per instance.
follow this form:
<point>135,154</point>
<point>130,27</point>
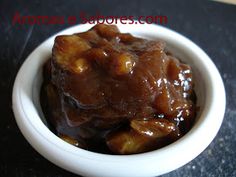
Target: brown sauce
<point>111,92</point>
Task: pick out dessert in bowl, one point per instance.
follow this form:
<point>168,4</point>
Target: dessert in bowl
<point>150,160</point>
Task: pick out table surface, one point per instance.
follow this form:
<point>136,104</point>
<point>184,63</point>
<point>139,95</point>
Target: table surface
<point>211,25</point>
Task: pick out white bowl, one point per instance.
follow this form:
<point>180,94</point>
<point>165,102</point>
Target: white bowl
<point>210,97</point>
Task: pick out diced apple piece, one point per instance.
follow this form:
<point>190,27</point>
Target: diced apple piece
<point>155,128</point>
<point>80,65</point>
<point>122,64</point>
<point>68,47</point>
<point>129,142</point>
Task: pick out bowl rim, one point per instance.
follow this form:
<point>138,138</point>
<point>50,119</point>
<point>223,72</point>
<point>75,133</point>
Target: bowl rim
<point>81,161</point>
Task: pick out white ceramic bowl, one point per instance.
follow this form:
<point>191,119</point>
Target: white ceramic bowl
<point>210,97</point>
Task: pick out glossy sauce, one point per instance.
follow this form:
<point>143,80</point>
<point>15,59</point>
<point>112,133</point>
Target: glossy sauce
<point>111,92</point>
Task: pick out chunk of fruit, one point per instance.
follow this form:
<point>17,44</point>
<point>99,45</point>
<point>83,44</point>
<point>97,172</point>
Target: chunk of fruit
<point>129,142</point>
<point>122,64</point>
<point>155,128</point>
<point>80,65</point>
<point>67,47</point>
<point>107,31</point>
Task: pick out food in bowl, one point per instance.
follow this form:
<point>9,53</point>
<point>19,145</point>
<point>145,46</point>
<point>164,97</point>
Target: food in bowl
<point>114,93</point>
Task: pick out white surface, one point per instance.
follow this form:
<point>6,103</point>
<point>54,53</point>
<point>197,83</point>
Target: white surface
<point>211,99</point>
